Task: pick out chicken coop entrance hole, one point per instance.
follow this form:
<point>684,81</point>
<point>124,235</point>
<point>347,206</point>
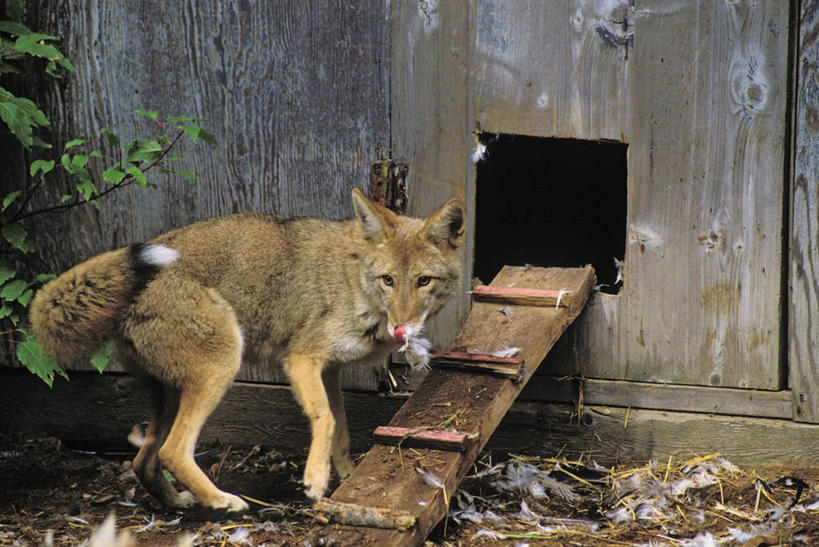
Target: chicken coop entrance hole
<point>551,202</point>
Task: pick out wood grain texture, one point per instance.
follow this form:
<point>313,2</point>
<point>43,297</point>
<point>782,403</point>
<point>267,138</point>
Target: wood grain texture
<point>297,94</point>
<point>703,259</point>
<point>604,435</point>
<point>651,396</point>
<point>553,68</point>
<point>803,328</point>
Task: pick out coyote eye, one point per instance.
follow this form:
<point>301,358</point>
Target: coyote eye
<point>387,279</point>
<point>424,280</point>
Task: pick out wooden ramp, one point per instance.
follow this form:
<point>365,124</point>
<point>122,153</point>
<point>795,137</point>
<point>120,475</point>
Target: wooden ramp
<point>401,489</point>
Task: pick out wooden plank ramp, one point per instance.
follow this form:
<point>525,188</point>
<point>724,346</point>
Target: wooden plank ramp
<point>398,493</point>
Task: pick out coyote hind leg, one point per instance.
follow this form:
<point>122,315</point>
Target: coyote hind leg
<point>164,404</point>
<point>194,349</point>
<point>196,402</point>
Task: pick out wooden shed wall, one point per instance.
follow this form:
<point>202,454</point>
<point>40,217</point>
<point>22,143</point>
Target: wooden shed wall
<point>303,98</point>
<point>699,91</point>
<point>297,94</point>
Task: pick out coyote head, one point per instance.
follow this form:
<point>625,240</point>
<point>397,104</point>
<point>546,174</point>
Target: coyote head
<point>412,267</point>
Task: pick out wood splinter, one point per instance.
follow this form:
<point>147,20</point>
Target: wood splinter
<point>518,295</point>
<point>452,441</point>
<point>508,367</point>
<point>358,515</point>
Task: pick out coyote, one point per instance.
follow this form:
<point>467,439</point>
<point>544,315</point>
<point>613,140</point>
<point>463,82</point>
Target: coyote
<point>184,308</point>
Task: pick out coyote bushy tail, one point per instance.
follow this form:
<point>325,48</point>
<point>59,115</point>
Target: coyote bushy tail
<point>73,315</point>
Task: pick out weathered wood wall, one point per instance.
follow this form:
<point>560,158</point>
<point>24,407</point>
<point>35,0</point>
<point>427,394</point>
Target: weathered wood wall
<point>803,329</point>
<point>698,90</point>
<point>297,94</point>
<point>303,95</point>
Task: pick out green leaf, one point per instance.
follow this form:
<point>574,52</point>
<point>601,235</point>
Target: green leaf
<point>14,28</point>
<point>80,160</point>
<point>41,166</point>
<point>25,298</point>
<point>9,199</point>
<point>207,136</point>
<point>43,278</point>
<point>95,154</point>
<point>139,176</point>
<point>87,188</point>
<point>101,357</point>
<point>7,271</point>
<point>73,142</point>
<point>185,174</point>
<point>36,45</point>
<point>35,359</point>
<point>21,116</point>
<point>113,140</point>
<point>143,150</point>
<point>5,310</point>
<point>113,175</point>
<point>153,114</point>
<point>13,290</point>
<point>37,141</point>
<point>18,237</point>
<point>65,160</point>
<point>65,197</point>
<point>192,131</point>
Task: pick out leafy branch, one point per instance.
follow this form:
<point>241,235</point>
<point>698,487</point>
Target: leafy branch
<point>94,176</point>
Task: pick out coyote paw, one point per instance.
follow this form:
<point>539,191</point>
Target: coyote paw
<point>182,500</point>
<point>316,479</point>
<point>344,466</point>
<point>230,503</point>
<point>314,494</point>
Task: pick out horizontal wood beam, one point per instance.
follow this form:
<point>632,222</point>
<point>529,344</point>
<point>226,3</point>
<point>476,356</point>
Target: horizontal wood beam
<point>97,411</point>
<point>671,397</point>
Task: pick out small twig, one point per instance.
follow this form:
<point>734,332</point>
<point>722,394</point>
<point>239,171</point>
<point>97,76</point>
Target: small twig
<point>221,464</point>
<point>28,197</point>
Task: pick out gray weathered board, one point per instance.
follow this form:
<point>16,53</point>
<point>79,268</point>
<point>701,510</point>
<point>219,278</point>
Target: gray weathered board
<point>803,327</point>
<point>472,403</point>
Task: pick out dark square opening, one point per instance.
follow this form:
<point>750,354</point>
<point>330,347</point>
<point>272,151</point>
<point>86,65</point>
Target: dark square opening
<point>551,202</point>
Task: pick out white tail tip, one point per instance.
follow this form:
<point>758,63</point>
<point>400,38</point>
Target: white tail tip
<point>159,255</point>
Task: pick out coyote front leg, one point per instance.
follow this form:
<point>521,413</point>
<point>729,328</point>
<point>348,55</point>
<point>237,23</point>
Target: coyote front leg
<point>305,372</point>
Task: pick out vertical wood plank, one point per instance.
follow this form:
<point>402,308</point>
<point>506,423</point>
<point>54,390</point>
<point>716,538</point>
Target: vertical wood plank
<point>803,329</point>
<point>429,85</point>
<point>702,269</point>
<point>553,68</point>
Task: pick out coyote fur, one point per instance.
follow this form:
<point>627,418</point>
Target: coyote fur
<point>183,309</point>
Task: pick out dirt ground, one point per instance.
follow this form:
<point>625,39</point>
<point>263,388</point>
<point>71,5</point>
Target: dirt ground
<point>51,495</point>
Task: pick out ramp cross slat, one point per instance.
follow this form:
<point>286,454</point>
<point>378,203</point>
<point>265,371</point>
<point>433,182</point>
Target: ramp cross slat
<point>393,476</point>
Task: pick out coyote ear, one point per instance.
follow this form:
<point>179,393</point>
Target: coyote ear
<point>376,221</point>
<point>445,227</point>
